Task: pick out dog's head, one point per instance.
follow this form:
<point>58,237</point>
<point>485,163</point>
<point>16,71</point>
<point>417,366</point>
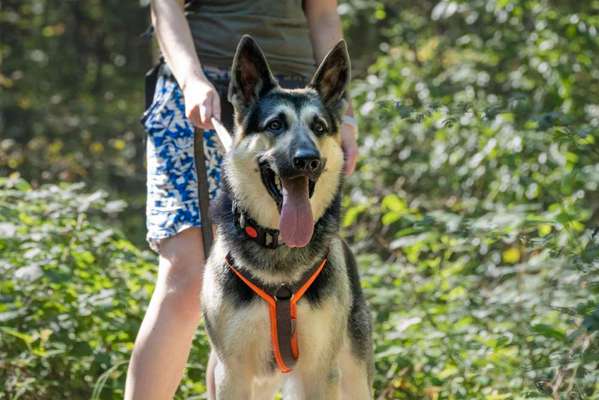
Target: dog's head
<point>286,163</point>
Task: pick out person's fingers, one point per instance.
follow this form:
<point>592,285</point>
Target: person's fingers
<point>351,158</point>
<point>208,110</point>
<point>216,106</point>
<point>350,148</point>
<point>204,113</point>
<point>194,116</point>
<point>201,113</point>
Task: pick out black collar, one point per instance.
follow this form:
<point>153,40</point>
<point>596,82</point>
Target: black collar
<point>266,237</point>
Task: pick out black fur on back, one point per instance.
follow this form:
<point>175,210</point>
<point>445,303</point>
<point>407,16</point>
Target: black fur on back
<point>359,323</point>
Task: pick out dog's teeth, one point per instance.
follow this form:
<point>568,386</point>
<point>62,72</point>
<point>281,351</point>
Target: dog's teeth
<point>278,182</point>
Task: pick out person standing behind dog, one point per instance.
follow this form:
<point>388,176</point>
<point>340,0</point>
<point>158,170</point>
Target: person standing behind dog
<point>198,40</point>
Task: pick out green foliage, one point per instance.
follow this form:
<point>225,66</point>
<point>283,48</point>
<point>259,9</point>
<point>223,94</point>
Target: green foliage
<point>475,210</point>
<point>476,203</point>
<point>71,94</point>
<point>73,292</point>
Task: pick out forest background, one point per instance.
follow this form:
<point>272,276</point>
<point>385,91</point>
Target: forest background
<point>474,209</point>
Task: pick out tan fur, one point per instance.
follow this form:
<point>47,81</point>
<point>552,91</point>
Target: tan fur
<point>244,176</point>
<point>327,184</point>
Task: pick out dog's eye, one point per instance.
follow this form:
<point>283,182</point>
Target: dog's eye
<point>275,125</point>
<point>319,127</point>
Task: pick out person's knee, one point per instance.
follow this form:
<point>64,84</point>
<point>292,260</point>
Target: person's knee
<point>181,271</point>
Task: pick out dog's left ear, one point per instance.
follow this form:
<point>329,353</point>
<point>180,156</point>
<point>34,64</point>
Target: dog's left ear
<point>250,75</point>
<point>332,78</point>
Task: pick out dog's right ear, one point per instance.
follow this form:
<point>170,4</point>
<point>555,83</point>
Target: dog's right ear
<point>250,75</point>
<point>332,78</point>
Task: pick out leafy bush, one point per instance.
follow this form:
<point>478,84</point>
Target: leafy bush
<point>72,295</point>
<point>476,203</point>
<point>71,94</point>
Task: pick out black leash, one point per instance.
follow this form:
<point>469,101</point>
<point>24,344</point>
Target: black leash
<point>203,191</point>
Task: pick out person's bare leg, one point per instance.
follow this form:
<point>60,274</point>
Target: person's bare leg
<point>164,339</point>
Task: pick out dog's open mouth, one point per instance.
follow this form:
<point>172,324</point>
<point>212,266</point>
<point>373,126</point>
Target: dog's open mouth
<point>273,184</point>
<point>292,195</point>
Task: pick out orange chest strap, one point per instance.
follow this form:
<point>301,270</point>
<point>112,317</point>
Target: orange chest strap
<point>282,309</point>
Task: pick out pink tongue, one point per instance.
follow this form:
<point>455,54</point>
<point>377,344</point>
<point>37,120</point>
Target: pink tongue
<point>297,223</point>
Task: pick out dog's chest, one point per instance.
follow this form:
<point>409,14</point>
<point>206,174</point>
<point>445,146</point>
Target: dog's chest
<point>239,326</point>
<point>241,331</point>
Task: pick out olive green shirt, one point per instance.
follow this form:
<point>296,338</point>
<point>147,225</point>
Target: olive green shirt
<point>279,26</point>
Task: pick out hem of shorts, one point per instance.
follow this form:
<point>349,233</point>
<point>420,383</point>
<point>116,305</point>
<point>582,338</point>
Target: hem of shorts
<point>154,240</point>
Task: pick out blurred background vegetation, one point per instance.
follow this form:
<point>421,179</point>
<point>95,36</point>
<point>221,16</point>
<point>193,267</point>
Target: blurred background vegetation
<point>475,209</point>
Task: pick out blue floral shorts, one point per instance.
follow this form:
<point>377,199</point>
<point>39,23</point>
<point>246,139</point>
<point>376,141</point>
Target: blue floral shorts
<point>172,198</point>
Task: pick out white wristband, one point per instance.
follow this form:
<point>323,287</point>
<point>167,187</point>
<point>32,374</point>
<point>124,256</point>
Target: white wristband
<point>349,120</point>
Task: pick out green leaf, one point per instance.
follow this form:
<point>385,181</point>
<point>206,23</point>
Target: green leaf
<point>548,331</point>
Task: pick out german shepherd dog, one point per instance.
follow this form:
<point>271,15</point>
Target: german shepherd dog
<point>281,299</point>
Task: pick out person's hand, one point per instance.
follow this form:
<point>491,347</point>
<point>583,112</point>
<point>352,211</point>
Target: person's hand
<point>202,102</point>
<point>350,147</point>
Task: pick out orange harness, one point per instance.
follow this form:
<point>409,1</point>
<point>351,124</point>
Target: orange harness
<point>282,309</point>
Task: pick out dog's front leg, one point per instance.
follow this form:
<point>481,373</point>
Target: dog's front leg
<point>231,383</point>
<point>314,384</point>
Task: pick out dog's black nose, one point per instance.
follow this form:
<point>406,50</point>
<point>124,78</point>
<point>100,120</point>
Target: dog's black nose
<point>307,160</point>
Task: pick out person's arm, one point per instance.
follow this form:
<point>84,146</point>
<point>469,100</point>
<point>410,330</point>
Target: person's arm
<point>174,38</point>
<point>325,31</point>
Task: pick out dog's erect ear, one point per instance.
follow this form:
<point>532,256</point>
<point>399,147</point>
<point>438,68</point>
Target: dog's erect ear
<point>250,75</point>
<point>332,77</point>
